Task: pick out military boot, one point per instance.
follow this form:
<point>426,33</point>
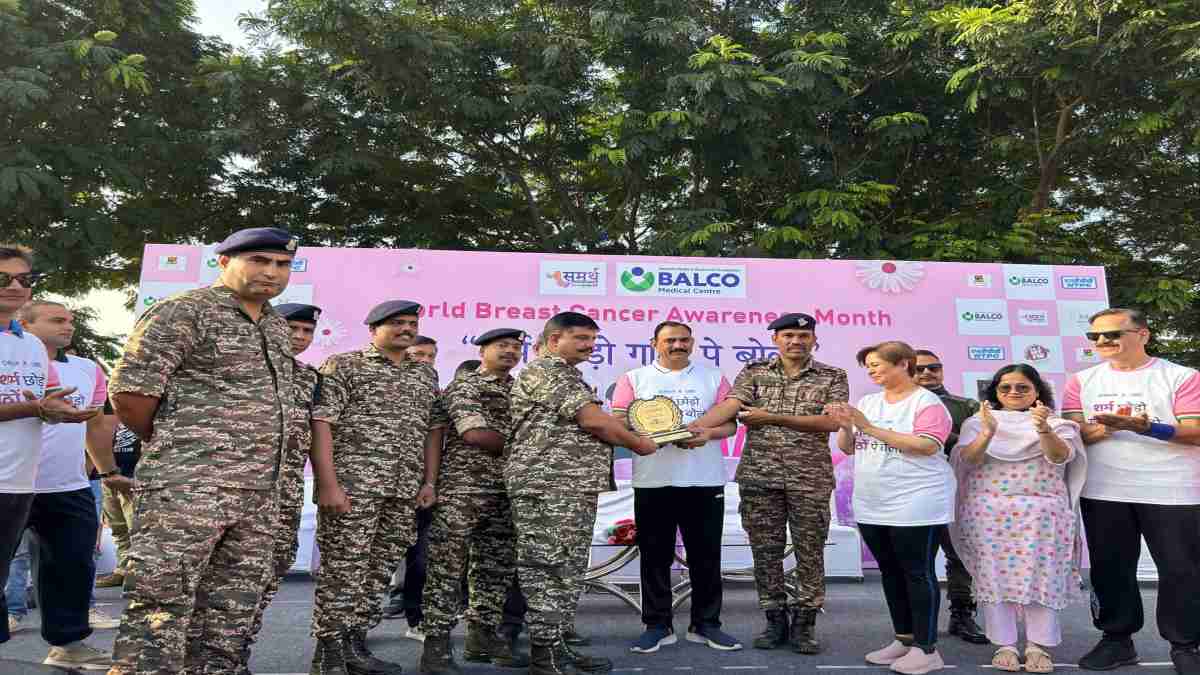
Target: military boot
<point>801,637</point>
<point>360,660</point>
<point>962,624</point>
<point>776,633</point>
<point>587,663</point>
<point>485,645</point>
<point>438,658</point>
<point>552,659</point>
<point>328,659</point>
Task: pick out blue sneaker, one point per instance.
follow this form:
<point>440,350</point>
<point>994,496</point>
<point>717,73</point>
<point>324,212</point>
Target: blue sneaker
<point>653,638</point>
<point>713,637</point>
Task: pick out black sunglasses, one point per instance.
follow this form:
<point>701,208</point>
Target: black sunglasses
<point>1111,335</point>
<point>931,367</point>
<point>27,279</point>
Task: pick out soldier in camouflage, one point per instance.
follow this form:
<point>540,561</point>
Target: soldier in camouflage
<point>560,460</point>
<point>473,514</point>
<point>931,376</point>
<point>379,423</point>
<point>206,381</point>
<point>302,321</point>
<point>785,476</point>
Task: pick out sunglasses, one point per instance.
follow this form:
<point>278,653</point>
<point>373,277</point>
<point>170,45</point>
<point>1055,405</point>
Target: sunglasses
<point>931,367</point>
<point>1111,335</point>
<point>1018,388</point>
<point>26,280</point>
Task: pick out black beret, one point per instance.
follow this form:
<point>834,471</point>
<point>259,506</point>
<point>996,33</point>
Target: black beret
<point>258,239</point>
<point>295,311</point>
<point>793,320</point>
<point>497,334</point>
<point>385,310</point>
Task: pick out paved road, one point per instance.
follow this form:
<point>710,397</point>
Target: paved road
<point>855,622</point>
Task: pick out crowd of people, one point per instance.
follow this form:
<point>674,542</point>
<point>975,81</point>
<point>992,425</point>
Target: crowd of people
<point>485,491</point>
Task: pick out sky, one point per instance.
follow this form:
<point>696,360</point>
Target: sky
<point>213,17</point>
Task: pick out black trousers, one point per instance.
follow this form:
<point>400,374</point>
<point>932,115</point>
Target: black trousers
<point>415,559</point>
<point>1172,533</point>
<point>64,528</point>
<point>958,579</point>
<point>905,556</point>
<point>699,514</point>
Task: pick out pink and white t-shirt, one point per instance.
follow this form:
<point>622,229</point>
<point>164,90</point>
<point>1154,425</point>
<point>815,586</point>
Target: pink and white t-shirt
<point>898,488</point>
<point>1129,467</point>
<point>694,389</point>
<point>61,466</point>
<point>24,366</point>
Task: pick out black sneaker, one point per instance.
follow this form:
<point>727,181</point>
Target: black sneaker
<point>1110,653</point>
<point>1187,661</point>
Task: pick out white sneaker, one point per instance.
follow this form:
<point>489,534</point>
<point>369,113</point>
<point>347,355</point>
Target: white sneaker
<point>888,655</point>
<point>917,662</point>
<point>414,633</point>
<point>78,655</point>
<point>98,619</point>
<point>15,624</point>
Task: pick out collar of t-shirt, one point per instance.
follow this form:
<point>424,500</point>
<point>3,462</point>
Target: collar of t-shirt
<point>682,371</point>
<point>14,327</point>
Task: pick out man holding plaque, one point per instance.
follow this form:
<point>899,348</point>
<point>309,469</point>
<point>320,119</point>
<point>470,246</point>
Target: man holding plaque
<point>559,461</point>
<point>682,486</point>
<point>786,474</point>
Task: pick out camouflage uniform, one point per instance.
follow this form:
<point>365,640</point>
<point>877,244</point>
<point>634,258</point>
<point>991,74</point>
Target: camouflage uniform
<point>290,491</point>
<point>473,510</point>
<point>205,502</point>
<point>785,478</point>
<point>380,412</point>
<point>554,473</point>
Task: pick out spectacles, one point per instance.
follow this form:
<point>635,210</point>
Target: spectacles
<point>1019,388</point>
<point>26,280</point>
<point>1110,335</point>
<point>931,367</point>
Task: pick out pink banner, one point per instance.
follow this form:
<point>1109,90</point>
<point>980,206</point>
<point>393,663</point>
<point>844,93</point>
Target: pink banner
<point>975,316</point>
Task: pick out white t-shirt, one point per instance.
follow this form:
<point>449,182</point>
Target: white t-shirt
<point>897,488</point>
<point>694,389</point>
<point>61,467</point>
<point>1129,467</point>
<point>24,366</point>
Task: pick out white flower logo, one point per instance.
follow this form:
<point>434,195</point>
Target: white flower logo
<point>329,332</point>
<point>889,276</point>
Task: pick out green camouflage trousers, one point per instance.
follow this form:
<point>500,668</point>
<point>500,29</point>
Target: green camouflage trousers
<point>359,550</point>
<point>767,515</point>
<point>197,572</point>
<point>554,540</point>
<point>478,527</point>
<point>286,539</point>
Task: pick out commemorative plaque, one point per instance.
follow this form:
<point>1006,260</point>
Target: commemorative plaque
<point>659,418</point>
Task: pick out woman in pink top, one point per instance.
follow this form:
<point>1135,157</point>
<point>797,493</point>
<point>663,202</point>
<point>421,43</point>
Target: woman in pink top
<point>1020,471</point>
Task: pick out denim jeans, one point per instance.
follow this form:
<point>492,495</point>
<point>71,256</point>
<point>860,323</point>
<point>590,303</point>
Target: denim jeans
<point>16,591</point>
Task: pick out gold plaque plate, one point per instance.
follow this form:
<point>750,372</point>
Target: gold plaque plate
<point>659,418</point>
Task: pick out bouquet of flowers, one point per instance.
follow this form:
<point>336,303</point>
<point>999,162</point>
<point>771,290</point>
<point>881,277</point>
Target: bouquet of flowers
<point>622,532</point>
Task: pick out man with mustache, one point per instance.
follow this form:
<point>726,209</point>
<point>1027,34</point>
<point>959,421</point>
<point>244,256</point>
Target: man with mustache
<point>931,376</point>
<point>473,514</point>
<point>302,322</point>
<point>680,487</point>
<point>379,421</point>
<point>786,474</point>
<point>206,382</point>
<point>560,456</point>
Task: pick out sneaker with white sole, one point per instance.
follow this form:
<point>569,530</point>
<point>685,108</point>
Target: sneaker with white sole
<point>714,638</point>
<point>653,638</point>
<point>101,620</point>
<point>917,662</point>
<point>888,655</point>
<point>414,633</point>
<point>79,656</point>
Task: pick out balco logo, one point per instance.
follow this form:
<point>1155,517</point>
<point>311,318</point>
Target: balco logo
<point>637,279</point>
<point>983,316</point>
<point>1031,281</point>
